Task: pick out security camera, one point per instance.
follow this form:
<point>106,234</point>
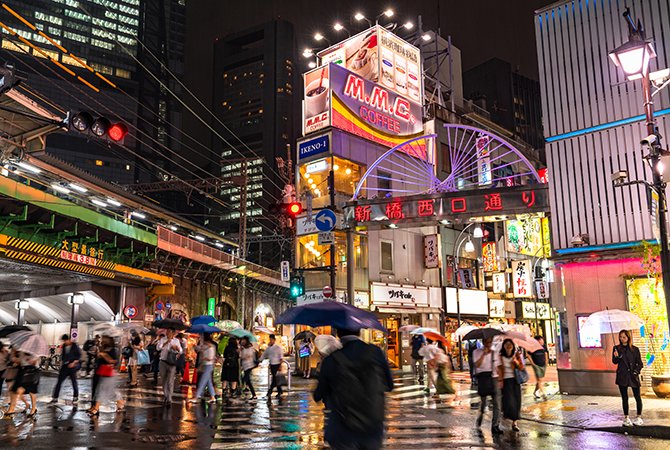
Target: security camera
<point>620,176</point>
<point>649,140</point>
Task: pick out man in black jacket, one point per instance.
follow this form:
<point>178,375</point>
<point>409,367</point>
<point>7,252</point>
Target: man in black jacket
<point>352,384</point>
<point>70,363</point>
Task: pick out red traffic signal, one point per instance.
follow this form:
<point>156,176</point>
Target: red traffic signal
<point>117,132</point>
<point>294,208</point>
<point>83,122</point>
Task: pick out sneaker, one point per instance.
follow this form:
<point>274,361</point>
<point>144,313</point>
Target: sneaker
<point>515,428</point>
<point>627,422</point>
<point>638,422</point>
<point>53,401</point>
<point>194,400</point>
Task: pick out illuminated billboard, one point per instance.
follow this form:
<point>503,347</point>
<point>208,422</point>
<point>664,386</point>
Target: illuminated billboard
<point>380,56</point>
<point>529,236</point>
<point>335,96</point>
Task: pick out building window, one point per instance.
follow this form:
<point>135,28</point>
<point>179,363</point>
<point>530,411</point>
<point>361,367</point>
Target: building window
<point>384,183</point>
<point>386,254</point>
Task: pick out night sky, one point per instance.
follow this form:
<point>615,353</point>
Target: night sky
<point>482,29</point>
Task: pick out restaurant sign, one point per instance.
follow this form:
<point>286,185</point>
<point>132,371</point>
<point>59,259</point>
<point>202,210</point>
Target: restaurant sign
<point>398,295</point>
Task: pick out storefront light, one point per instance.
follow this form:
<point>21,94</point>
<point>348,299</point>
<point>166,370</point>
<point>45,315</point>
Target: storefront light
<point>469,246</point>
<point>22,305</point>
<point>336,167</point>
<point>477,233</point>
<point>348,171</point>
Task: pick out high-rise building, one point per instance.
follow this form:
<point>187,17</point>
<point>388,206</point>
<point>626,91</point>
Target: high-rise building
<point>603,236</point>
<point>512,99</point>
<point>254,96</point>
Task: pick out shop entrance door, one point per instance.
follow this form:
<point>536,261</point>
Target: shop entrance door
<point>393,351</point>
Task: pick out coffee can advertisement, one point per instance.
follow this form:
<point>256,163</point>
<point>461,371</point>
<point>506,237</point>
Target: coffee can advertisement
<point>380,56</point>
<point>371,110</point>
<point>316,103</point>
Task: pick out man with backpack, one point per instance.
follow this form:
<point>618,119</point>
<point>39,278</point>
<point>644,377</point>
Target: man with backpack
<point>91,349</point>
<point>418,341</point>
<point>352,384</point>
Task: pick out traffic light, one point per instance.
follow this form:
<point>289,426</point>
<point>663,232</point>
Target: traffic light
<point>297,286</point>
<point>294,208</point>
<point>286,209</point>
<point>100,127</point>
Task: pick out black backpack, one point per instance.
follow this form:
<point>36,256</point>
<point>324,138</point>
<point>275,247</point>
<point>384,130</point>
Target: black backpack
<point>358,397</point>
<point>88,345</point>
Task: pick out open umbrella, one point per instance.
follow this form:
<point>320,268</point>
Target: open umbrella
<point>133,326</point>
<point>514,327</point>
<point>170,324</point>
<point>203,320</point>
<point>407,328</point>
<point>29,342</point>
<point>9,329</point>
<point>335,314</point>
<point>304,335</point>
<point>612,321</point>
<point>482,333</point>
<point>422,330</point>
<point>107,329</point>
<point>435,337</point>
<point>228,325</point>
<point>203,328</point>
<point>240,333</point>
<point>327,344</point>
<point>463,330</point>
<point>522,340</point>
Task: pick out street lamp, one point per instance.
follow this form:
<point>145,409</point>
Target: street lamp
<point>320,37</point>
<point>76,299</point>
<point>633,57</point>
<point>339,27</point>
<point>359,16</point>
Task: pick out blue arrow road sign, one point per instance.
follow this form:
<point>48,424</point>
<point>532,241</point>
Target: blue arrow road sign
<point>325,220</point>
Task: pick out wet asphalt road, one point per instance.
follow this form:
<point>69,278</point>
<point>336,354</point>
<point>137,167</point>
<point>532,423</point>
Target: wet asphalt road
<point>296,422</point>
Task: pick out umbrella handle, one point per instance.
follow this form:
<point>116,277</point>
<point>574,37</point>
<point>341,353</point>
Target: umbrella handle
<point>609,319</point>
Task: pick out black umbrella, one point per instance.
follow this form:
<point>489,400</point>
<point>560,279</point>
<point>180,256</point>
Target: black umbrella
<point>170,324</point>
<point>9,329</point>
<point>482,333</point>
<point>304,335</point>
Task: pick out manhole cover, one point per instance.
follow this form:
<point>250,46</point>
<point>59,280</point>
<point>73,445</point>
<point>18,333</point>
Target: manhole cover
<point>162,438</point>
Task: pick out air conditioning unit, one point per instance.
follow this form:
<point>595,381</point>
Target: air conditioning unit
<point>580,240</point>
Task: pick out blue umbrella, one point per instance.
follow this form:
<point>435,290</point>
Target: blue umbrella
<point>240,333</point>
<point>203,328</point>
<point>203,320</point>
<point>334,314</point>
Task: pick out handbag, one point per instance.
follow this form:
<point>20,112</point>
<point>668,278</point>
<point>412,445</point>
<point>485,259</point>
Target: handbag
<point>281,379</point>
<point>521,375</point>
<point>105,370</point>
<point>304,351</point>
<point>143,357</point>
<point>29,375</point>
<point>172,358</point>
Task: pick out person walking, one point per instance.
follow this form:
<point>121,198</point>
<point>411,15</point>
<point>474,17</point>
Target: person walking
<point>26,382</point>
<point>107,389</point>
<point>4,363</point>
<point>274,354</point>
<point>230,368</point>
<point>170,349</point>
<point>206,360</point>
<point>510,359</point>
<point>352,385</point>
<point>417,342</point>
<point>91,348</point>
<point>70,364</point>
<point>304,353</point>
<point>485,371</point>
<point>538,360</point>
<point>428,353</point>
<point>628,360</point>
<point>136,345</point>
<point>154,354</point>
<point>249,361</point>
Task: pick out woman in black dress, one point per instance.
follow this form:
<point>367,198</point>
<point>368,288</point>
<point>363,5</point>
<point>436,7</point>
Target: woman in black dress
<point>26,382</point>
<point>629,364</point>
<point>510,359</point>
<point>230,369</point>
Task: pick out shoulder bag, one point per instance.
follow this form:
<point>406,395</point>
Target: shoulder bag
<point>521,375</point>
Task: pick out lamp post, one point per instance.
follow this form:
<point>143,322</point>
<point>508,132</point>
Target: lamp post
<point>633,57</point>
<point>22,306</point>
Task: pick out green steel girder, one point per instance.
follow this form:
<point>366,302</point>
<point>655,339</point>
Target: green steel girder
<point>35,229</point>
<point>8,220</point>
<point>41,199</point>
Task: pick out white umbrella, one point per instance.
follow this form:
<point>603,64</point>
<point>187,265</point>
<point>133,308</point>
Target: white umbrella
<point>422,330</point>
<point>517,328</point>
<point>521,340</point>
<point>133,326</point>
<point>612,321</point>
<point>327,344</point>
<point>407,328</point>
<point>29,342</point>
<point>228,325</point>
<point>463,330</point>
<point>108,329</point>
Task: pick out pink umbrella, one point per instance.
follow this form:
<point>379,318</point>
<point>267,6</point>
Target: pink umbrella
<point>407,328</point>
<point>523,340</point>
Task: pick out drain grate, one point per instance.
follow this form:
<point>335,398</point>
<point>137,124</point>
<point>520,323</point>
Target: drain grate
<point>162,438</point>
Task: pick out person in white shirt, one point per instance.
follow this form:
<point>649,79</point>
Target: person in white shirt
<point>486,363</point>
<point>428,352</point>
<point>207,351</point>
<point>274,354</point>
<point>167,371</point>
<point>249,362</point>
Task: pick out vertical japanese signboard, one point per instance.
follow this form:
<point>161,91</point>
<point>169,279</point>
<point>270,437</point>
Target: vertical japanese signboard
<point>431,253</point>
<point>521,278</point>
<point>499,283</point>
<point>489,257</point>
<point>467,282</point>
<point>483,160</point>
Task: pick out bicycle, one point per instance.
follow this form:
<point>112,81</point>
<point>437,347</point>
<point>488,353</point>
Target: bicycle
<point>52,361</point>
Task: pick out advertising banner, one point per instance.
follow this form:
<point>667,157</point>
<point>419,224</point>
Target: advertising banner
<point>529,236</point>
<point>496,308</point>
<point>489,257</point>
<point>313,147</point>
<point>431,253</point>
<point>483,160</point>
<point>543,310</point>
<point>521,277</point>
<point>397,295</point>
<point>371,111</point>
<point>380,56</point>
<point>316,100</point>
<point>468,301</point>
<point>499,283</point>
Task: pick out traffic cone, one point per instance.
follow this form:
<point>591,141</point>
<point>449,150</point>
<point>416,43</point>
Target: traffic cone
<point>123,368</point>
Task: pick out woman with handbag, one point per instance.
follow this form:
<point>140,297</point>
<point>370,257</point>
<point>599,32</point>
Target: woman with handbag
<point>509,366</point>
<point>206,360</point>
<point>230,369</point>
<point>170,350</point>
<point>629,364</point>
<point>136,345</point>
<point>27,381</point>
<point>249,360</point>
<point>107,388</point>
